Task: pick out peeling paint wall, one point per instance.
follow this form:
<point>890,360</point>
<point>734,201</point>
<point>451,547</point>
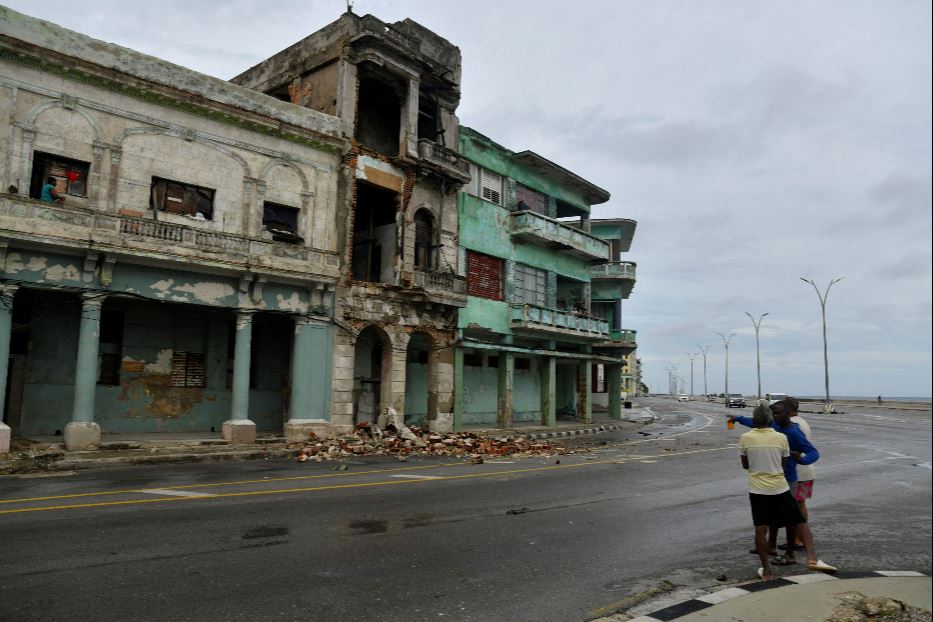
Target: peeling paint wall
<point>480,393</point>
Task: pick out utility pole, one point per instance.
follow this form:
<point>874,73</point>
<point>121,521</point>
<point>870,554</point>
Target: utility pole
<point>827,405</point>
<point>757,326</point>
<point>725,344</point>
<point>704,352</point>
<point>691,357</point>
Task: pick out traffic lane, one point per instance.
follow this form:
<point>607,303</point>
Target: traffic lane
<point>567,539</point>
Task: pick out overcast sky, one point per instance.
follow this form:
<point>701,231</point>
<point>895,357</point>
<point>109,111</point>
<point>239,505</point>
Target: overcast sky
<point>754,142</point>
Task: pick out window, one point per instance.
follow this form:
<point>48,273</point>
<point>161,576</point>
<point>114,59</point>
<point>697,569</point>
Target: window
<point>176,197</point>
<point>374,234</point>
<point>530,285</point>
<point>379,109</point>
<point>188,369</point>
<point>527,199</point>
<point>490,186</point>
<point>472,359</point>
<point>522,363</point>
<point>109,354</point>
<point>281,221</point>
<point>424,240</point>
<point>492,361</point>
<point>70,175</point>
<point>484,276</point>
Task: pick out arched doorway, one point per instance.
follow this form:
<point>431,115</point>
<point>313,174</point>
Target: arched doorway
<point>372,365</point>
<point>420,380</point>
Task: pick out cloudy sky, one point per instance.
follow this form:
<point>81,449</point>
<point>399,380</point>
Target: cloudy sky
<point>754,142</point>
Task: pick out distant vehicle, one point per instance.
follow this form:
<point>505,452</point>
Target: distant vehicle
<point>682,397</point>
<point>735,399</point>
<point>775,397</point>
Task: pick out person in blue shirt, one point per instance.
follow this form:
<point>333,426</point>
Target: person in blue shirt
<point>801,452</point>
<point>49,193</point>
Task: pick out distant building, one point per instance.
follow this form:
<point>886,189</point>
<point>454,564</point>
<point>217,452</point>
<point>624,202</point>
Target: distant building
<point>528,329</point>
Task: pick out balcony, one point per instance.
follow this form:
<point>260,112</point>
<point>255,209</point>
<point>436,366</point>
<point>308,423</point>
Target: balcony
<point>443,287</point>
<point>444,161</point>
<point>552,233</point>
<point>615,279</point>
<point>621,341</point>
<point>81,228</point>
<point>544,321</point>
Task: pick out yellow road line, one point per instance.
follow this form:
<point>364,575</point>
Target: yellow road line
<point>340,486</point>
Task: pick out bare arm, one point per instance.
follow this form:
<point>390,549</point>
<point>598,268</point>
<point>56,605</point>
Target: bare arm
<point>745,462</point>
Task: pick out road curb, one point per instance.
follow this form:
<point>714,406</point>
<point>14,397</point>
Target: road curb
<point>672,612</point>
<point>246,454</point>
<point>565,433</point>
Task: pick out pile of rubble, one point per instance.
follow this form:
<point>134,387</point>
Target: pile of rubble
<point>404,441</point>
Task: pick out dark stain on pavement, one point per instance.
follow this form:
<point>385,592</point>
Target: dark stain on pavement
<point>265,531</point>
<point>364,527</point>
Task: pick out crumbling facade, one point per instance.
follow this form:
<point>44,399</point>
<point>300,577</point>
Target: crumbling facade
<point>184,276</point>
<point>530,336</point>
<point>395,89</point>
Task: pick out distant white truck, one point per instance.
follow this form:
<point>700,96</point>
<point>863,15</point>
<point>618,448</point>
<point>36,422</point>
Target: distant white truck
<point>774,397</point>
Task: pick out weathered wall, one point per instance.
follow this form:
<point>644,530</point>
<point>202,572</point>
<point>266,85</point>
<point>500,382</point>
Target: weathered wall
<point>480,393</point>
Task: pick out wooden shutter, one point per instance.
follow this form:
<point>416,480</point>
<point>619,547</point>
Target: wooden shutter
<point>484,276</point>
<point>491,186</point>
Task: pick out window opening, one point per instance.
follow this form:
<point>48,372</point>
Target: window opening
<point>428,126</point>
<point>188,369</point>
<point>379,111</point>
<point>492,361</point>
<point>374,234</point>
<point>472,359</point>
<point>281,221</point>
<point>484,276</point>
<point>424,240</point>
<point>70,175</point>
<point>491,186</point>
<point>175,197</point>
<point>522,363</point>
<point>527,199</point>
<point>530,285</point>
<point>598,378</point>
<point>110,349</point>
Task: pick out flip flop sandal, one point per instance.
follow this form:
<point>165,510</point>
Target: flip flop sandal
<point>761,574</point>
<point>783,561</point>
<point>821,566</point>
<point>797,547</point>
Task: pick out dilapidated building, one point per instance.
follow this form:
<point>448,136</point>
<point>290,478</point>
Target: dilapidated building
<point>395,89</point>
<point>186,278</point>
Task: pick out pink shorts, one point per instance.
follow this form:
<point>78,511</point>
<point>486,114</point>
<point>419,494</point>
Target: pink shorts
<point>804,490</point>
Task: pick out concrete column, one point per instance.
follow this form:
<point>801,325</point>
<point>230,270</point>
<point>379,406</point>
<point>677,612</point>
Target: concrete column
<point>548,391</point>
<point>239,429</point>
<point>409,137</point>
<point>584,392</point>
<point>614,387</point>
<point>310,379</point>
<point>504,396</point>
<point>397,375</point>
<point>458,389</point>
<point>82,432</point>
<point>7,292</point>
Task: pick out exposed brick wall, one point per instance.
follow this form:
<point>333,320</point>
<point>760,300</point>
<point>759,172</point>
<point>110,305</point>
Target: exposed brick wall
<point>484,276</point>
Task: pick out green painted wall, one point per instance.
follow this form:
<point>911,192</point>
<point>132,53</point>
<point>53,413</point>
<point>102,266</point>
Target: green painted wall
<point>480,393</point>
<point>566,388</point>
<point>495,157</point>
<point>605,290</point>
<point>416,394</point>
<point>605,231</point>
<point>490,314</point>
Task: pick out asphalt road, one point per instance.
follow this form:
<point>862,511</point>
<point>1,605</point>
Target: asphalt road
<point>641,513</point>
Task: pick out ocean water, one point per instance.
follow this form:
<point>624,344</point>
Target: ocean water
<point>872,398</point>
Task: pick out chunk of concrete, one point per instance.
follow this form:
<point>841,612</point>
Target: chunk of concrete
<point>5,435</point>
<point>239,431</point>
<point>298,430</point>
<point>82,436</point>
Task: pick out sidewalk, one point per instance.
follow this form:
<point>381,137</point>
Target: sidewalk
<point>810,597</point>
<point>47,453</point>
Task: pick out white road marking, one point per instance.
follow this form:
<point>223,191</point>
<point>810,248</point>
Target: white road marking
<point>174,493</point>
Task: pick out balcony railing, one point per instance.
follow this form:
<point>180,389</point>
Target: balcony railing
<point>620,341</point>
<point>208,241</point>
<point>440,281</point>
<point>552,233</point>
<point>557,322</point>
<point>445,160</point>
<point>613,270</point>
<point>624,335</point>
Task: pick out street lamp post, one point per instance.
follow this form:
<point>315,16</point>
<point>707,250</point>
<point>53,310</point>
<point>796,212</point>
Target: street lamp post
<point>725,344</point>
<point>691,357</point>
<point>827,405</point>
<point>704,352</point>
<point>757,326</point>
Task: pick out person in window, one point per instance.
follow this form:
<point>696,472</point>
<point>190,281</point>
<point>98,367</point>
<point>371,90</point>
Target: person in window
<point>49,193</point>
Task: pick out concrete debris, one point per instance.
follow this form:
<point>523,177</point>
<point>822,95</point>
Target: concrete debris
<point>368,440</point>
<point>857,607</point>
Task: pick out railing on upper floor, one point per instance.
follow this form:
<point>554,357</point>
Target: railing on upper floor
<point>557,321</point>
<point>440,281</point>
<point>550,232</point>
<point>446,160</point>
<point>613,270</point>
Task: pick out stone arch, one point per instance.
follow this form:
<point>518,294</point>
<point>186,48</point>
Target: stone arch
<point>263,175</point>
<point>68,104</point>
<point>372,373</point>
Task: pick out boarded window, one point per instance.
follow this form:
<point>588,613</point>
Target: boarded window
<point>484,276</point>
<point>491,186</point>
<point>176,197</point>
<point>110,349</point>
<point>70,175</point>
<point>530,285</point>
<point>281,221</point>
<point>188,369</point>
<point>527,199</point>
